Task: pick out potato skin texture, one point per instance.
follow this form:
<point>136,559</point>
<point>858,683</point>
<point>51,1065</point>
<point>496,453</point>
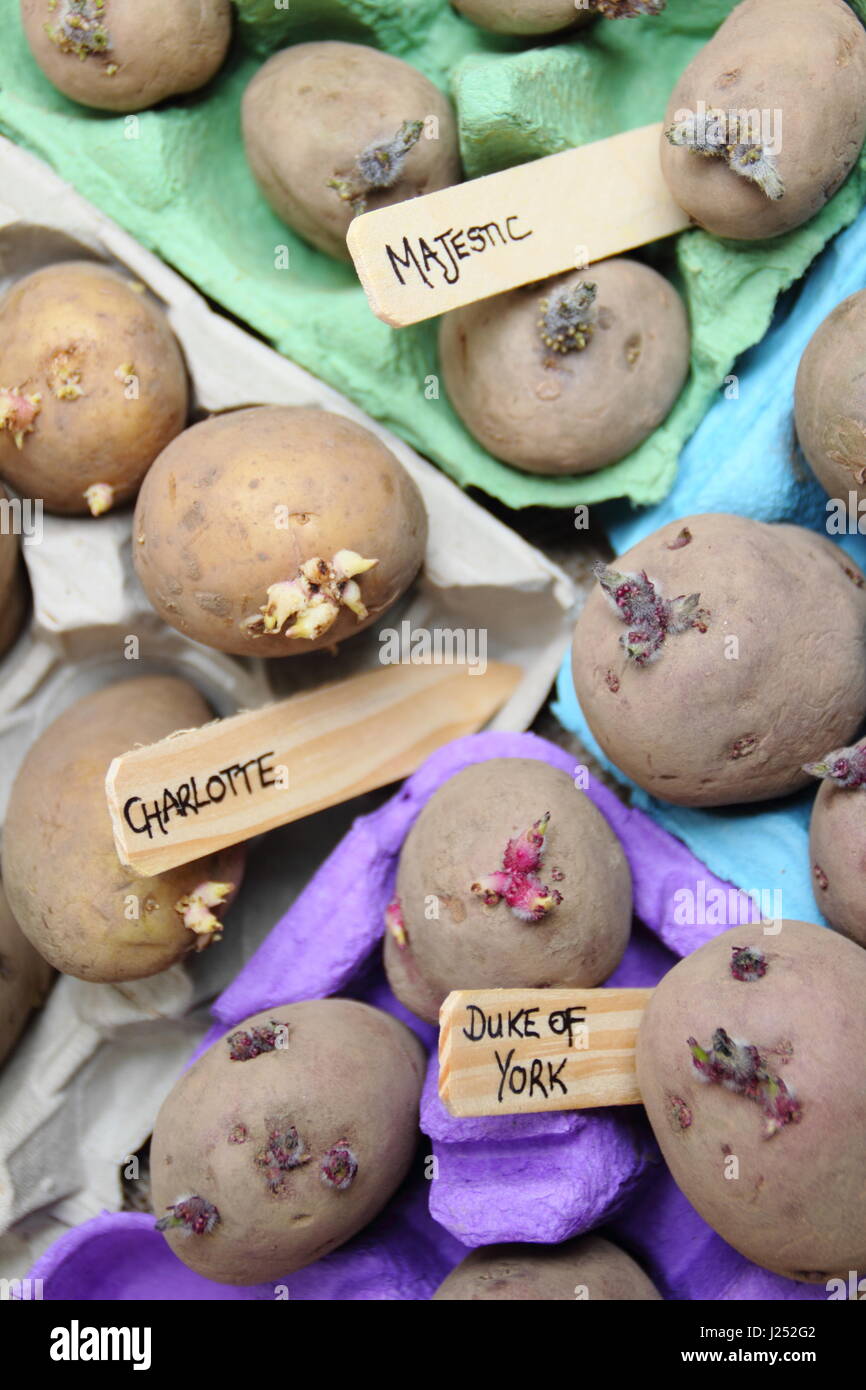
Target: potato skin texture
<point>554,413</point>
<point>830,400</point>
<point>81,317</point>
<point>697,728</point>
<point>179,47</point>
<point>206,541</point>
<point>523,16</point>
<point>459,837</point>
<point>65,883</point>
<point>552,1273</point>
<point>348,1074</point>
<point>837,851</point>
<point>25,979</point>
<point>764,57</point>
<point>798,1206</point>
<point>14,588</point>
<point>345,97</point>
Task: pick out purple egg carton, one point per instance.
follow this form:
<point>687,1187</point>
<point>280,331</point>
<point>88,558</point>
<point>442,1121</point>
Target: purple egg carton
<point>540,1178</point>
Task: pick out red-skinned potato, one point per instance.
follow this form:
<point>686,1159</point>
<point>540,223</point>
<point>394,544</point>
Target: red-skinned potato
<point>837,840</point>
<point>25,979</point>
<point>277,531</point>
<point>510,878</point>
<point>124,55</point>
<point>719,655</point>
<point>13,584</point>
<point>286,1138</point>
<point>830,402</point>
<point>81,909</point>
<point>368,137</point>
<point>92,387</point>
<point>751,1062</point>
<point>742,152</point>
<point>591,1268</point>
<point>569,375</point>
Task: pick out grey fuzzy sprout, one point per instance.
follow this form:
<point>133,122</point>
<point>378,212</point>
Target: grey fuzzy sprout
<point>378,166</point>
<point>567,318</point>
<point>846,767</point>
<point>723,135</point>
<point>628,9</point>
<point>79,28</point>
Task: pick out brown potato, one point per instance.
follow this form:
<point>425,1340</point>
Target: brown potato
<point>751,1061</point>
<point>125,55</point>
<point>241,513</point>
<point>524,16</point>
<point>590,1268</point>
<point>830,402</point>
<point>759,66</point>
<point>14,589</point>
<point>25,979</point>
<point>351,102</point>
<point>478,883</point>
<point>729,693</point>
<point>286,1138</point>
<point>837,850</point>
<point>92,387</point>
<point>71,896</point>
<point>553,411</point>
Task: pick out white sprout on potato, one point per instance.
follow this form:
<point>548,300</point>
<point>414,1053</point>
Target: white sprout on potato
<point>18,413</point>
<point>568,317</point>
<point>312,601</point>
<point>196,909</point>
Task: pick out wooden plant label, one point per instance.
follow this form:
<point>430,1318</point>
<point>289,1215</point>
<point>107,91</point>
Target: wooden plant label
<point>512,1051</point>
<point>201,790</point>
<point>427,255</point>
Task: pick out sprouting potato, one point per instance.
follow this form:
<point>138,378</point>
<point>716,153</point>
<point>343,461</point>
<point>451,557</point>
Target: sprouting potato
<point>590,1269</point>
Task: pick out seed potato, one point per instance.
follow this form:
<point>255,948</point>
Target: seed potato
<point>355,106</point>
<point>25,979</point>
<point>837,851</point>
<point>764,59</point>
<point>557,409</point>
<point>830,401</point>
<point>491,896</point>
<point>286,1138</point>
<point>751,1061</point>
<point>92,387</point>
<point>523,16</point>
<point>124,55</point>
<point>749,659</point>
<point>590,1268</point>
<point>274,521</point>
<point>85,913</point>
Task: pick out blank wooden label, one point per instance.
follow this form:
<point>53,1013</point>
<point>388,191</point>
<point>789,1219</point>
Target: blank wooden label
<point>427,255</point>
<point>199,791</point>
<point>511,1051</point>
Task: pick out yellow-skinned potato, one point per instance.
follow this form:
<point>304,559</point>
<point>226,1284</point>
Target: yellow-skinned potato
<point>830,402</point>
<point>368,141</point>
<point>25,979</point>
<point>588,1269</point>
<point>746,152</point>
<point>522,16</point>
<point>286,1138</point>
<point>125,55</point>
<point>751,1063</point>
<point>80,908</point>
<point>92,387</point>
<point>569,375</point>
<point>13,585</point>
<point>720,654</point>
<point>529,883</point>
<point>276,531</point>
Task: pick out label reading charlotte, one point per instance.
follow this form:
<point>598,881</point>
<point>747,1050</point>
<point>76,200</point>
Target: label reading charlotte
<point>443,266</point>
<point>238,780</point>
<point>540,1076</point>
